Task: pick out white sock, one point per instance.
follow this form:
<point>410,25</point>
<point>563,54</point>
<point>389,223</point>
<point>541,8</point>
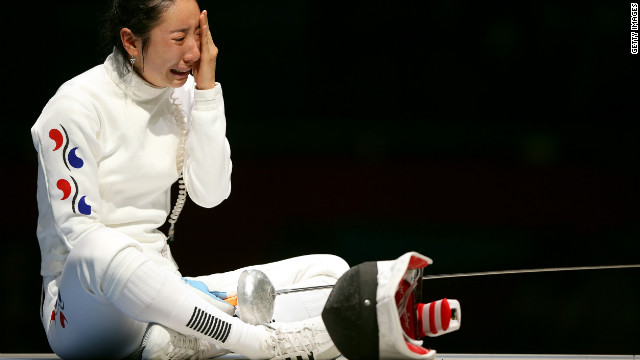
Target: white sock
<point>149,293</point>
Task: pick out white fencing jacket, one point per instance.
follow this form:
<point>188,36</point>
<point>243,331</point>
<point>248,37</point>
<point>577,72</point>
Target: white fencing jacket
<point>107,145</point>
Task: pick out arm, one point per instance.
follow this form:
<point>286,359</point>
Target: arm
<point>207,167</point>
<point>66,138</point>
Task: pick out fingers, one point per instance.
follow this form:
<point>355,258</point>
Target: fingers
<point>203,23</point>
<point>204,27</point>
<point>206,40</point>
<point>204,71</point>
<point>205,19</point>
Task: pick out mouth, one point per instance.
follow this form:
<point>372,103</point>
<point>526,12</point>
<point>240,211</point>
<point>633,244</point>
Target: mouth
<point>184,72</point>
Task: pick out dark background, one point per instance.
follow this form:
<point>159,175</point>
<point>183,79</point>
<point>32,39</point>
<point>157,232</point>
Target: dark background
<point>482,134</point>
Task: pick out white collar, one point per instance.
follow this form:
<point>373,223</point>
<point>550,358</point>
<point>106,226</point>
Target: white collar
<point>130,82</point>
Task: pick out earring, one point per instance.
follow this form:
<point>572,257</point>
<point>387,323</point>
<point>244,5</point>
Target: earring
<point>132,60</point>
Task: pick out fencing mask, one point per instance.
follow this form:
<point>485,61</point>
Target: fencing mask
<point>375,311</point>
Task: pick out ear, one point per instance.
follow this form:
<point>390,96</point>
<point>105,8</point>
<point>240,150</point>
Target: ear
<point>130,42</point>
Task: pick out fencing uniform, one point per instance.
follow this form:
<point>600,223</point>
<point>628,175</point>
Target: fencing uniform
<point>107,144</point>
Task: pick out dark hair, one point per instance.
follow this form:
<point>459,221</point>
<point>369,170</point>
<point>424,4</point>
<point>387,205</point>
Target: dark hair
<point>139,16</point>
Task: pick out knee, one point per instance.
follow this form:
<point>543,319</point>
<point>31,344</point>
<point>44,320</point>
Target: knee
<point>91,257</point>
<point>332,265</point>
<point>341,266</point>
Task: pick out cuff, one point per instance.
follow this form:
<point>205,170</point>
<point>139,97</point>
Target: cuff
<point>208,99</point>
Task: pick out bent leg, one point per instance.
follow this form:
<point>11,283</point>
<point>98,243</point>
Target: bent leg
<point>283,273</point>
<point>301,271</point>
<point>80,322</point>
<point>115,290</point>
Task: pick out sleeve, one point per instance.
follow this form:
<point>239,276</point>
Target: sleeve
<point>66,139</point>
<point>207,164</point>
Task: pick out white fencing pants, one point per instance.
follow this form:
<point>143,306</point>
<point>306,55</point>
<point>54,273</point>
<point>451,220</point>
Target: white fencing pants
<point>80,322</point>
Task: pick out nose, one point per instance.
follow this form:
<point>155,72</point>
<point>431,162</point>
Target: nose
<point>192,53</point>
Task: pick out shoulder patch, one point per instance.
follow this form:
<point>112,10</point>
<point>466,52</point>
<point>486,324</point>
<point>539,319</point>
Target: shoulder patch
<point>71,157</point>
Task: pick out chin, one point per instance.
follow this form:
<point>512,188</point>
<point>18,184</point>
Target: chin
<point>177,83</point>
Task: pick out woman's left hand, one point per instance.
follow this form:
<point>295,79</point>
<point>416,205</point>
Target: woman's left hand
<point>204,70</point>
